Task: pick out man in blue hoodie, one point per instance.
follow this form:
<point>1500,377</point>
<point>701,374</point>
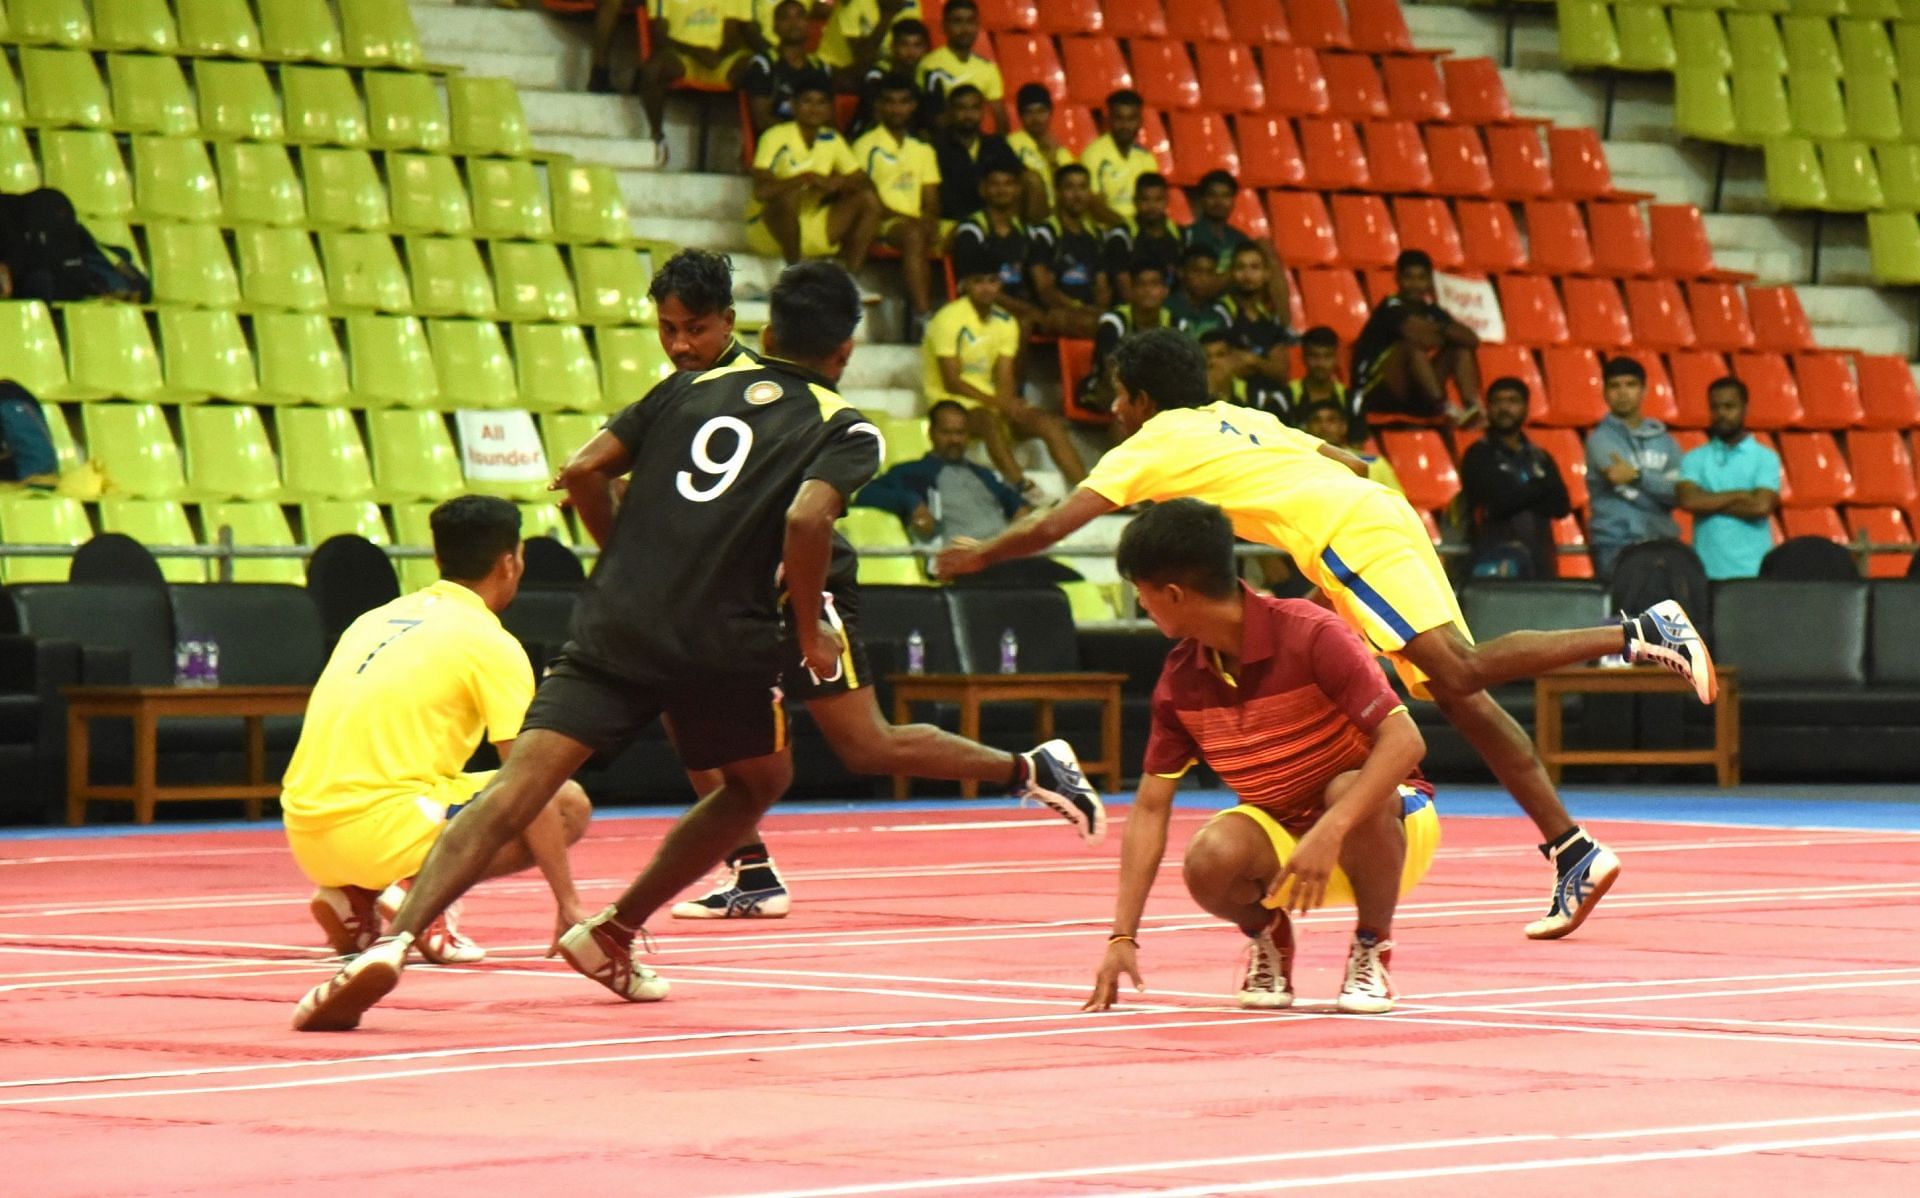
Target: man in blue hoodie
<point>1633,470</point>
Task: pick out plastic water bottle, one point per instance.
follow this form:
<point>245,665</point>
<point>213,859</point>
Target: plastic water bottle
<point>1009,652</point>
<point>210,663</point>
<point>916,653</point>
<point>183,663</point>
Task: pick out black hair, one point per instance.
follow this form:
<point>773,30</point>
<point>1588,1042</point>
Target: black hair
<point>784,3</point>
<point>1412,258</point>
<point>962,92</point>
<point>1124,96</point>
<point>1307,411</point>
<point>1031,94</point>
<point>893,82</point>
<point>1071,168</point>
<point>1730,383</point>
<point>1507,382</point>
<point>813,311</point>
<point>908,26</point>
<point>1166,365</point>
<point>946,405</point>
<point>470,533</point>
<point>954,6</point>
<point>1184,541</point>
<point>1215,336</point>
<point>1623,367</point>
<point>1148,265</point>
<point>811,80</point>
<point>1193,251</point>
<point>1149,180</point>
<point>972,258</point>
<point>700,279</point>
<point>1320,337</point>
<point>1220,176</point>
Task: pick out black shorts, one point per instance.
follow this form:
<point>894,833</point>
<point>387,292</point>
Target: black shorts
<point>842,610</point>
<point>713,726</point>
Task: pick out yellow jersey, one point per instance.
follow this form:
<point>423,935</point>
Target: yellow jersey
<point>401,707</point>
<point>899,167</point>
<point>1271,480</point>
<point>784,151</point>
<point>942,70</point>
<point>959,331</point>
<point>1114,173</point>
<point>1028,151</point>
<point>851,21</point>
<point>702,23</point>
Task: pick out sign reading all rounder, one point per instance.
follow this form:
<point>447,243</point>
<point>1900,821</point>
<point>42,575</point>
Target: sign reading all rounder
<point>1473,303</point>
<point>501,447</point>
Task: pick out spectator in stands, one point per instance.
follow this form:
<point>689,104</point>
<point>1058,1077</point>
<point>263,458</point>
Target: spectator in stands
<point>906,176</point>
<point>1037,148</point>
<point>1149,283</point>
<point>1149,236</point>
<point>810,198</point>
<point>1330,422</point>
<point>856,32</point>
<point>1633,467</point>
<point>1211,229</point>
<point>1190,315</point>
<point>1513,487</point>
<point>943,495</point>
<point>1320,356</point>
<point>1258,328</point>
<point>1732,486</point>
<point>994,230</point>
<point>966,153</point>
<point>1410,349</point>
<point>1066,262</point>
<point>955,63</point>
<point>700,41</point>
<point>969,354</point>
<point>771,75</point>
<point>1117,161</point>
<point>907,45</point>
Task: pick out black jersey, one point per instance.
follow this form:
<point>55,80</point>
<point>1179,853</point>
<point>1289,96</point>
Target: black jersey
<point>687,587</point>
<point>1075,257</point>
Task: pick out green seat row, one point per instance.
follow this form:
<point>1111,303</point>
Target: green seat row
<point>369,32</point>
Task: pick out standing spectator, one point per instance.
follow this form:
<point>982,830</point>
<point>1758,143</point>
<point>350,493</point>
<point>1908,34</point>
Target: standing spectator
<point>907,44</point>
<point>1192,315</point>
<point>1066,263</point>
<point>1039,152</point>
<point>1117,161</point>
<point>1258,327</point>
<point>1320,356</point>
<point>1330,422</point>
<point>771,75</point>
<point>1149,284</point>
<point>1513,487</point>
<point>966,153</point>
<point>1633,467</point>
<point>1731,485</point>
<point>857,30</point>
<point>906,176</point>
<point>969,355</point>
<point>1410,349</point>
<point>955,63</point>
<point>943,495</point>
<point>700,41</point>
<point>1149,236</point>
<point>810,198</point>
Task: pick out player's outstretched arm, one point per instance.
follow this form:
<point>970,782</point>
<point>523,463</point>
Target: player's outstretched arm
<point>1141,851</point>
<point>588,479</point>
<point>1351,461</point>
<point>809,543</point>
<point>1029,534</point>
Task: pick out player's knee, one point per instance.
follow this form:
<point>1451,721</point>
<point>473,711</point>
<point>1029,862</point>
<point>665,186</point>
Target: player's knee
<point>759,782</point>
<point>575,808</point>
<point>1211,857</point>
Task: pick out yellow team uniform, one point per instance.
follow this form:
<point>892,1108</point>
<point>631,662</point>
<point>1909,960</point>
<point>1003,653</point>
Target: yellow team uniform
<point>1354,539</point>
<point>959,331</point>
<point>900,168</point>
<point>393,720</point>
<point>784,151</point>
<point>1114,173</point>
<point>702,24</point>
<point>954,71</point>
<point>851,21</point>
<point>1028,151</point>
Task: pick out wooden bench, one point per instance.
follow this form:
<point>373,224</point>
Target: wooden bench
<point>971,691</point>
<point>1550,690</point>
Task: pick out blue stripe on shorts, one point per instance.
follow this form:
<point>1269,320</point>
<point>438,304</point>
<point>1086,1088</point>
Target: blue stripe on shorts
<point>1376,603</point>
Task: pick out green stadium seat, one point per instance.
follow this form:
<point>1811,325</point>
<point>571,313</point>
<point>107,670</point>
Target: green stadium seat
<point>531,282</point>
<point>906,438</point>
<point>155,523</point>
<point>546,520</point>
<point>300,362</point>
<point>135,25</point>
<point>612,281</point>
<point>190,265</point>
<point>1646,39</point>
<point>110,353</point>
<point>323,108</point>
<point>872,528</point>
<point>470,357</point>
<point>1815,106</point>
<point>405,112</point>
<point>321,520</point>
<point>299,31</point>
<point>63,88</point>
<point>343,189</point>
<point>132,444</point>
<point>1756,43</point>
<point>1899,171</point>
<point>278,269</point>
<point>508,200</point>
<point>1893,241</point>
<point>485,117</point>
<point>1587,38</point>
<point>173,180</point>
<point>1906,48</point>
<point>631,363</point>
<point>19,171</point>
<point>890,571</point>
<point>1090,602</point>
<point>363,273</point>
<point>1760,109</point>
<point>13,106</point>
<point>1820,8</point>
<point>258,186</point>
<point>220,28</point>
<point>1699,39</point>
<point>1853,181</point>
<point>1794,176</point>
<point>31,349</point>
<point>413,528</point>
<point>1866,52</point>
<point>1873,109</point>
<point>150,95</point>
<point>321,456</point>
<point>449,279</point>
<point>392,363</point>
<point>413,455</point>
<point>206,356</point>
<point>228,453</point>
<point>563,433</point>
<point>255,525</point>
<point>379,32</point>
<point>1810,44</point>
<point>27,518</point>
<point>428,196</point>
<point>588,204</point>
<point>65,448</point>
<point>556,370</point>
<point>56,22</point>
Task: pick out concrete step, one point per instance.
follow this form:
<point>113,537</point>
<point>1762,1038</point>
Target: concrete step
<point>1673,174</point>
<point>1462,32</point>
<point>1875,319</point>
<point>1562,98</point>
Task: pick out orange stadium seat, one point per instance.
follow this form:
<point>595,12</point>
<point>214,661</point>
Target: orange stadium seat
<point>1882,468</point>
<point>1294,83</point>
<point>1620,243</point>
<point>1519,163</point>
<point>1420,458</point>
<point>1475,92</point>
<point>1270,154</point>
<point>1201,143</point>
<point>1693,371</point>
<point>1773,400</point>
<point>1229,76</point>
<point>1179,208</point>
<point>1095,68</point>
<point>1595,314</point>
<point>1249,216</point>
<point>1302,229</point>
<point>1719,316</point>
<point>1133,18</point>
<point>1074,125</point>
<point>1579,164</point>
<point>1888,394</point>
<point>1574,396</point>
<point>1199,21</point>
<point>1680,245</point>
<point>1564,446</point>
<point>1501,360</point>
<point>1426,224</point>
<point>1363,229</point>
<point>1379,27</point>
<point>1009,14</point>
<point>1659,403</point>
<point>1396,159</point>
<point>1165,74</point>
<point>1816,468</point>
<point>1333,298</point>
<point>1779,322</point>
<point>1882,526</point>
<point>1154,140</point>
<point>1822,522</point>
<point>1260,23</point>
<point>1379,282</point>
<point>1030,58</point>
<point>1415,91</point>
<point>1828,391</point>
<point>1658,312</point>
<point>1489,237</point>
<point>1331,150</point>
<point>1354,89</point>
<point>1319,24</point>
<point>1532,309</point>
<point>1296,317</point>
<point>1566,533</point>
<point>1459,160</point>
<point>1063,16</point>
<point>1557,238</point>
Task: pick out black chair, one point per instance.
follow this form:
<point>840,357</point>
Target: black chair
<point>552,565</point>
<point>1496,608</point>
<point>1039,619</point>
<point>269,634</point>
<point>1646,573</point>
<point>1913,566</point>
<point>539,619</point>
<point>1811,633</point>
<point>890,615</point>
<point>116,559</point>
<point>125,632</point>
<point>1893,635</point>
<point>348,576</point>
<point>1809,559</point>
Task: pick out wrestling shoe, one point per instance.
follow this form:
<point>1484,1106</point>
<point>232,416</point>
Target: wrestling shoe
<point>1055,779</point>
<point>763,896</point>
<point>441,943</point>
<point>595,949</point>
<point>1368,990</point>
<point>1584,871</point>
<point>349,915</point>
<point>1664,635</point>
<point>1268,985</point>
<point>337,1004</point>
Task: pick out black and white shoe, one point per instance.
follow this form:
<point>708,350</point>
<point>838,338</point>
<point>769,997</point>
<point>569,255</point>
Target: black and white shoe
<point>1054,777</point>
<point>1664,635</point>
<point>765,896</point>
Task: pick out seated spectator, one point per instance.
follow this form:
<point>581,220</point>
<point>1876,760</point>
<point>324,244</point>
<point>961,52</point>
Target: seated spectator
<point>906,176</point>
<point>1066,265</point>
<point>1258,327</point>
<point>1513,487</point>
<point>1211,229</point>
<point>1633,468</point>
<point>943,495</point>
<point>969,354</point>
<point>995,232</point>
<point>1330,423</point>
<point>770,76</point>
<point>855,32</point>
<point>966,153</point>
<point>1117,161</point>
<point>1149,284</point>
<point>1732,486</point>
<point>1149,236</point>
<point>1193,316</point>
<point>699,41</point>
<point>1320,356</point>
<point>810,198</point>
<point>1039,152</point>
<point>1410,349</point>
<point>907,44</point>
<point>955,63</point>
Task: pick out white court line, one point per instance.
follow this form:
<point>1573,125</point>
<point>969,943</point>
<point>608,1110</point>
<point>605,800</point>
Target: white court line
<point>1857,1030</point>
<point>1716,979</point>
<point>1856,983</point>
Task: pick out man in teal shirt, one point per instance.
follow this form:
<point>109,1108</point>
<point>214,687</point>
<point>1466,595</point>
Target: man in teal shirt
<point>1731,485</point>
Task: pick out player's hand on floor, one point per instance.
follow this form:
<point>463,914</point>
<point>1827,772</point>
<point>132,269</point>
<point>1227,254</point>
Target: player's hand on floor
<point>1308,870</point>
<point>564,917</point>
<point>821,651</point>
<point>1121,958</point>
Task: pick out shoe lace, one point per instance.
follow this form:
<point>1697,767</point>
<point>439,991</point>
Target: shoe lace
<point>1263,964</point>
<point>1363,967</point>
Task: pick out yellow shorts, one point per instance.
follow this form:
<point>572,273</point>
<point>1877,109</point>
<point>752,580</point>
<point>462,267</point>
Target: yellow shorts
<point>1419,818</point>
<point>814,242</point>
<point>1381,574</point>
<point>379,847</point>
<point>718,77</point>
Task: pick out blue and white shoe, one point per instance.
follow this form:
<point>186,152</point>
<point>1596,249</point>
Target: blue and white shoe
<point>729,901</point>
<point>1664,635</point>
<point>1054,778</point>
<point>1578,886</point>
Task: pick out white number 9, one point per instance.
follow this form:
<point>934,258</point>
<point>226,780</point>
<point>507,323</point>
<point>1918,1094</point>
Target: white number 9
<point>728,469</point>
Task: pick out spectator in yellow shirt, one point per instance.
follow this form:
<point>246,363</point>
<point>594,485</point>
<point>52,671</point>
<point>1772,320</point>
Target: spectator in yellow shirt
<point>1116,159</point>
<point>810,198</point>
<point>906,175</point>
<point>955,63</point>
<point>1039,152</point>
<point>704,42</point>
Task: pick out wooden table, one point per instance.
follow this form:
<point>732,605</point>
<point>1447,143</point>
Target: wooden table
<point>970,691</point>
<point>1550,689</point>
<point>146,706</point>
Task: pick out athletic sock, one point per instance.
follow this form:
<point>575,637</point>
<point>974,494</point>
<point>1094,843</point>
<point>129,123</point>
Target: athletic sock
<point>748,854</point>
<point>1629,631</point>
<point>1565,861</point>
<point>1022,774</point>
